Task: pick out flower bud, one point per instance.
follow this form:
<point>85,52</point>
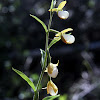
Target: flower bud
<point>52,88</point>
<point>63,14</point>
<point>52,70</point>
<point>67,38</point>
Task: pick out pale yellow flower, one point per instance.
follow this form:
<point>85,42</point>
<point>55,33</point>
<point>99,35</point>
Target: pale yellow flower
<point>52,70</point>
<point>62,14</point>
<point>66,38</point>
<point>52,88</point>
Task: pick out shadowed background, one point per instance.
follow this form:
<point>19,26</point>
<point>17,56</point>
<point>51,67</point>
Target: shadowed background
<point>21,38</point>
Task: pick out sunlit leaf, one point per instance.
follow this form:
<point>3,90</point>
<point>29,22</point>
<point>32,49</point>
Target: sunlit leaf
<point>56,39</point>
<point>43,24</point>
<point>51,97</point>
<point>42,57</point>
<point>25,78</point>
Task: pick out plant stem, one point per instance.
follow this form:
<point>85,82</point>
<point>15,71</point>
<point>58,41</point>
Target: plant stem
<point>47,56</point>
<point>36,96</point>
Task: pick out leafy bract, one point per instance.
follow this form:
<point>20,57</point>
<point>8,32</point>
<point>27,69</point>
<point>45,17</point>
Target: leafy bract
<point>43,53</point>
<point>56,39</point>
<point>43,24</point>
<point>25,78</point>
<point>51,97</point>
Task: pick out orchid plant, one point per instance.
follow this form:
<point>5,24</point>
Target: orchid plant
<point>46,64</point>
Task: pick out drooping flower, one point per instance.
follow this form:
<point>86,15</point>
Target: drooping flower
<point>66,38</point>
<point>52,88</point>
<point>52,70</point>
<point>62,14</point>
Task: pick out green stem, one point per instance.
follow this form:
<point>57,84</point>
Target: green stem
<point>49,25</point>
<point>47,56</point>
<point>41,75</point>
<point>45,62</point>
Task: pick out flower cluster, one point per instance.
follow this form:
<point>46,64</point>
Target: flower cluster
<point>52,69</point>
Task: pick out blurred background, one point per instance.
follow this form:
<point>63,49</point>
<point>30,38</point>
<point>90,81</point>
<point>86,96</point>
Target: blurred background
<point>21,38</point>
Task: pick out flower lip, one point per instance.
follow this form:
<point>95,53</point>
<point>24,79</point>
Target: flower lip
<point>63,14</point>
<point>67,38</point>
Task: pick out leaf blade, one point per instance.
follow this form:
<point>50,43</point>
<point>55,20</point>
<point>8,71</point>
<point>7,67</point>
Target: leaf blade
<point>25,78</point>
<point>41,22</point>
<point>56,39</point>
<point>50,97</point>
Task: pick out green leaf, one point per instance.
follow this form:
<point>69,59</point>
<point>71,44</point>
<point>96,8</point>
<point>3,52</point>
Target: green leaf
<point>63,97</point>
<point>25,78</point>
<point>50,97</point>
<point>43,53</point>
<point>56,39</point>
<point>43,24</point>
